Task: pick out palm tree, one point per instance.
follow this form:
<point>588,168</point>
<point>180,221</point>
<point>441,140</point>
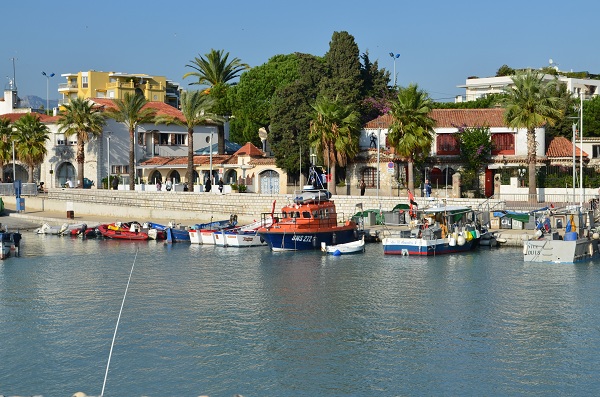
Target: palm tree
<point>6,136</point>
<point>194,106</point>
<point>81,119</point>
<point>531,103</point>
<point>334,132</point>
<point>131,111</point>
<point>214,70</point>
<point>30,141</point>
<point>411,131</point>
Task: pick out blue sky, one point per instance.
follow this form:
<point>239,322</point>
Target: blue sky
<point>440,43</point>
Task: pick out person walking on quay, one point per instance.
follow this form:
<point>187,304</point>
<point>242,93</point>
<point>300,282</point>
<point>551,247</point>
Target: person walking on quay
<point>207,185</point>
<point>168,185</point>
<point>427,188</point>
<point>363,186</point>
<point>158,186</point>
<point>115,183</point>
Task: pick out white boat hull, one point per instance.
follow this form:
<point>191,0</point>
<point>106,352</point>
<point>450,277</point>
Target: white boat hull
<point>352,247</point>
<point>240,240</point>
<point>559,251</point>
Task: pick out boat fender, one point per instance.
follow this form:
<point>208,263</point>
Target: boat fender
<point>525,243</point>
<point>461,240</point>
<point>315,241</point>
<point>356,234</point>
<point>405,252</point>
<point>334,238</point>
<point>323,246</point>
<point>596,236</point>
<point>452,242</point>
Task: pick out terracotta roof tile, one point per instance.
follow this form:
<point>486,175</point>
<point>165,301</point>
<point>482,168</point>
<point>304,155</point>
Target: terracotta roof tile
<point>12,117</point>
<point>453,117</point>
<point>562,147</point>
<point>250,150</point>
<point>161,108</point>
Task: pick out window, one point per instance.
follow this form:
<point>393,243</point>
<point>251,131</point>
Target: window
<point>84,81</point>
<point>503,143</point>
<point>447,144</point>
<point>596,151</point>
<point>179,139</point>
<point>164,139</point>
<point>369,174</point>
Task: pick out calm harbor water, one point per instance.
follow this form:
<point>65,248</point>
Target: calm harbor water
<point>202,320</point>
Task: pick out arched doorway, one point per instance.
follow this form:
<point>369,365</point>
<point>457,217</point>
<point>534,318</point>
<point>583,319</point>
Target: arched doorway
<point>230,177</point>
<point>63,172</point>
<point>269,182</point>
<point>20,173</point>
<point>155,177</point>
<point>175,177</point>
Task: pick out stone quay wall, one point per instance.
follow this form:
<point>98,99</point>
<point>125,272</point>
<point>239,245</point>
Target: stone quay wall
<point>202,207</point>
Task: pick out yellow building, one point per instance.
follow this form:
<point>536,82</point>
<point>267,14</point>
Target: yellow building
<point>114,85</point>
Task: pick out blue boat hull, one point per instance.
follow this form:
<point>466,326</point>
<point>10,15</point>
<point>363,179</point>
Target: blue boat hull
<point>279,241</point>
<point>173,235</point>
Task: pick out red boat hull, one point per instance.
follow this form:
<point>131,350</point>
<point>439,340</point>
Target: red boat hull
<point>121,234</point>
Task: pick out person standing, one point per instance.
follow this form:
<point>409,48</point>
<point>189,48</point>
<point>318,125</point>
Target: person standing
<point>427,188</point>
<point>158,186</point>
<point>168,185</point>
<point>221,185</point>
<point>207,185</point>
<point>363,187</point>
<point>115,183</point>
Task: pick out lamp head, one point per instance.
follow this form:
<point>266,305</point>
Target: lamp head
<point>392,54</point>
<point>52,74</point>
<point>397,56</point>
<point>44,73</point>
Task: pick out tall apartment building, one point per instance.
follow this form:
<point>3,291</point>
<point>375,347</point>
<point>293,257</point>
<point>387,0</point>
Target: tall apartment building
<point>114,85</point>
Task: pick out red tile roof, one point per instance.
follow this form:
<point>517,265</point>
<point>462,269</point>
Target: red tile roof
<point>12,117</point>
<point>161,108</point>
<point>249,150</point>
<point>453,117</point>
<point>562,147</point>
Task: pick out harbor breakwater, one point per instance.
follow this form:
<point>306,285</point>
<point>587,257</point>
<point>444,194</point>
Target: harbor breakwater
<point>194,206</point>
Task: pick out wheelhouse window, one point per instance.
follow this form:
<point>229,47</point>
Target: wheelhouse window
<point>447,144</point>
<point>503,143</point>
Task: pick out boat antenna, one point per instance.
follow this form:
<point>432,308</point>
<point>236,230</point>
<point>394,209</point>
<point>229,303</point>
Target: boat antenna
<point>117,326</point>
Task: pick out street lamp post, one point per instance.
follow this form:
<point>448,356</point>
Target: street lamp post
<point>47,89</point>
<point>394,57</point>
<point>378,145</point>
<point>108,185</point>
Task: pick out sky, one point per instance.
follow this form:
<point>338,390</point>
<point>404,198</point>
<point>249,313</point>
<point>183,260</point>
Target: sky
<point>440,43</point>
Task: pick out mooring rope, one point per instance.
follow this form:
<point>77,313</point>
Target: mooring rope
<point>117,326</point>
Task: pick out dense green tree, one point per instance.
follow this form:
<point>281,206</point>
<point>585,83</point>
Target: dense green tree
<point>132,112</point>
<point>376,95</point>
<point>531,103</point>
<point>6,138</point>
<point>591,117</point>
<point>194,106</point>
<point>30,141</point>
<point>80,118</point>
<point>569,107</point>
<point>252,96</point>
<point>411,131</point>
<point>505,70</point>
<point>217,72</point>
<point>334,133</point>
<point>291,112</point>
<point>343,79</point>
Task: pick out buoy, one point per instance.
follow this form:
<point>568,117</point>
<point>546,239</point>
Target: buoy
<point>337,253</point>
<point>461,240</point>
<point>452,242</point>
<point>596,236</point>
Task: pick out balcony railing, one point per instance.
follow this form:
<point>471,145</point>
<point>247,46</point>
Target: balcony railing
<point>68,86</point>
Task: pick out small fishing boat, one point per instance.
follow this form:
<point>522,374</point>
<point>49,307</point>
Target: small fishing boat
<point>577,242</point>
<point>307,222</point>
<point>353,247</point>
<point>204,233</point>
<point>125,231</point>
<point>63,230</point>
<point>441,230</point>
<point>10,243</point>
<point>172,233</point>
<point>244,236</point>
